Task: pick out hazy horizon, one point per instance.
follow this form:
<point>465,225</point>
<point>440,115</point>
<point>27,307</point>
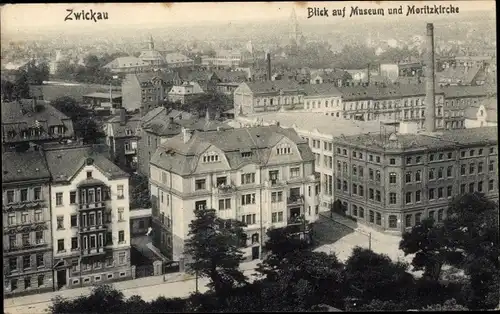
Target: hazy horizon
<point>17,19</point>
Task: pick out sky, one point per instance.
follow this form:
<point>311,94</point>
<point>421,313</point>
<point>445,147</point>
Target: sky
<point>36,17</point>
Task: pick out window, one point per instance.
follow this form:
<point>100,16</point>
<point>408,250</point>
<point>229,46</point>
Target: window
<point>354,170</point>
<point>480,186</point>
<point>120,214</point>
<point>372,216</point>
<point>408,160</point>
<point>471,153</point>
<point>440,173</point>
<point>441,156</point>
<point>392,177</point>
<point>450,155</point>
<point>295,172</point>
<point>344,186</point>
<point>121,258</point>
<point>248,199</point>
<point>339,166</point>
<point>417,196</point>
<point>371,194</point>
<point>418,176</point>
<point>480,167</point>
<point>491,166</point>
<point>276,197</point>
<point>121,236</point>
<point>360,170</point>
<point>418,217</point>
<point>89,174</point>
<point>60,222</point>
<point>354,189</point>
<point>249,219</point>
<point>10,196</point>
<point>377,159</point>
<point>462,154</point>
<point>370,157</point>
<point>418,159</point>
<point>471,168</point>
<point>408,197</point>
<point>74,243</point>
<point>370,173</point>
<point>248,178</point>
<point>283,149</point>
<point>392,161</point>
<point>462,169</point>
<point>408,220</point>
<point>462,188</point>
<point>491,185</point>
<point>92,219</point>
<point>200,184</point>
<point>354,210</point>
<point>480,152</point>
<point>27,282</point>
<point>440,215</point>
<point>39,237</point>
<point>408,177</point>
<point>361,191</point>
<point>24,195</point>
<point>449,191</point>
<point>378,196</point>
<point>12,241</point>
<point>431,157</point>
<point>120,191</point>
<point>37,193</point>
<point>392,198</point>
<point>377,176</point>
<point>93,242</point>
<point>60,245</point>
<point>59,199</point>
<point>26,239</point>
<point>13,263</point>
<point>225,204</point>
<point>440,192</point>
<point>379,219</point>
<point>38,215</point>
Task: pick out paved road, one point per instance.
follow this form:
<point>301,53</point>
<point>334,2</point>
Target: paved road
<point>148,293</point>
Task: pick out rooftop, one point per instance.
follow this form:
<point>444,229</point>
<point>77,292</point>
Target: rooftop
<point>17,166</point>
<point>325,89</point>
<point>315,122</point>
<point>125,62</point>
<point>273,86</point>
<point>104,95</point>
<point>67,160</point>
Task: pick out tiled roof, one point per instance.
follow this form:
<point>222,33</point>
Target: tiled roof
<point>312,122</point>
<point>146,77</point>
<point>383,92</point>
<point>119,130</point>
<point>325,89</point>
<point>450,138</point>
<point>126,62</point>
<point>157,121</point>
<point>232,76</point>
<point>65,162</point>
<point>182,158</point>
<point>176,57</point>
<point>17,166</point>
<point>273,86</point>
<point>332,75</point>
<point>151,55</point>
<point>458,75</point>
<point>468,91</point>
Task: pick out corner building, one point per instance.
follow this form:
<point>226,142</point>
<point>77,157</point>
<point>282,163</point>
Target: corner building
<point>90,217</point>
<point>263,176</point>
<point>27,242</point>
<point>392,180</point>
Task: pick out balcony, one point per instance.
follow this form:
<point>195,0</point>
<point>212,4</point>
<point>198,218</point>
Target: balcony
<point>130,151</point>
<point>94,252</point>
<point>93,205</point>
<point>10,207</point>
<point>299,220</point>
<point>226,188</point>
<point>93,228</point>
<point>295,200</point>
<point>26,247</point>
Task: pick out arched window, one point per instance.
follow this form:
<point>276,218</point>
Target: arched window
<point>255,238</point>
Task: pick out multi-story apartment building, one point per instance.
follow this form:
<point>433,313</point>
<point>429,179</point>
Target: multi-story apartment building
<point>90,216</point>
<point>263,176</point>
<point>178,60</point>
<point>145,91</point>
<point>122,138</point>
<point>27,241</point>
<point>319,131</point>
<point>223,59</point>
<point>255,97</point>
<point>393,179</point>
<point>33,121</point>
<point>185,93</point>
<point>161,124</point>
<point>324,98</point>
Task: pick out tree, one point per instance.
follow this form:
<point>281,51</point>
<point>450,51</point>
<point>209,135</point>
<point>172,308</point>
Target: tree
<point>139,191</point>
<point>102,297</point>
<point>375,276</point>
<point>214,246</point>
<point>70,108</point>
<point>449,305</point>
<point>7,90</point>
<point>215,103</point>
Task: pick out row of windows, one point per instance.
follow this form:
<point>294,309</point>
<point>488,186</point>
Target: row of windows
<point>449,156</point>
<point>317,144</point>
<point>23,195</point>
<point>14,283</point>
<point>89,195</point>
<point>28,261</point>
<point>312,104</point>
<point>26,239</point>
<point>277,101</point>
<point>26,217</point>
<point>93,241</point>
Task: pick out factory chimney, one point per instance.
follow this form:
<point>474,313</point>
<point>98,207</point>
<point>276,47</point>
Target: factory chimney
<point>268,59</point>
<point>430,109</point>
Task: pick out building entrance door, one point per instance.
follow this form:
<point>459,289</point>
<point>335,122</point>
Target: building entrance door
<point>255,253</point>
<point>61,278</point>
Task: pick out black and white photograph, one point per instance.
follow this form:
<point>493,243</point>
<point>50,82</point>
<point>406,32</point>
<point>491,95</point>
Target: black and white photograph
<point>211,157</point>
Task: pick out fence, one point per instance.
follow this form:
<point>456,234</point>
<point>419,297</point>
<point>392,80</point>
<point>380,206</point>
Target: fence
<point>144,271</point>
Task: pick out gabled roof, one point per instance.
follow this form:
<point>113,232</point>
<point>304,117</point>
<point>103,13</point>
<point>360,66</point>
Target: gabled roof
<point>131,123</point>
<point>17,166</point>
<point>157,121</point>
<point>65,162</point>
<point>458,75</point>
<point>273,86</point>
<point>125,62</point>
<point>176,57</point>
<point>182,158</point>
<point>147,77</point>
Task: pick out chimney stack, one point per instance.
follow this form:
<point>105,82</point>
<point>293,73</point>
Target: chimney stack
<point>123,116</point>
<point>268,57</point>
<point>430,108</point>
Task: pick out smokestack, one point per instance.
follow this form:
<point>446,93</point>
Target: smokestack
<point>430,110</point>
<point>368,73</point>
<point>268,56</point>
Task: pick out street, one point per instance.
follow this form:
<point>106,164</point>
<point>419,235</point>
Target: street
<point>148,293</point>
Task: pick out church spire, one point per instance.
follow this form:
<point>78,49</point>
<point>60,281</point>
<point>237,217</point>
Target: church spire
<point>151,43</point>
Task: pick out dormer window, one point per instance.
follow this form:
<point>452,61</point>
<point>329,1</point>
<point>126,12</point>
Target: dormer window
<point>210,157</point>
<point>283,149</point>
<point>128,132</point>
<point>246,154</point>
<point>89,174</point>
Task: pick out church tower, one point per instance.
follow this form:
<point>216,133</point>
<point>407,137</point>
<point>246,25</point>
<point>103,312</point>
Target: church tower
<point>294,35</point>
<point>151,43</point>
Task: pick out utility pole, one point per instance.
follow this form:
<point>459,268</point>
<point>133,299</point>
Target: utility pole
<point>370,241</point>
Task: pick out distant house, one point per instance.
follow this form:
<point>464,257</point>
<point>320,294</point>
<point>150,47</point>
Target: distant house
<point>483,113</point>
<point>33,122</point>
<point>462,75</point>
<point>337,77</point>
<point>252,97</point>
<point>145,91</point>
<point>207,80</point>
<point>127,65</point>
<point>185,92</point>
<point>122,136</point>
<point>177,60</point>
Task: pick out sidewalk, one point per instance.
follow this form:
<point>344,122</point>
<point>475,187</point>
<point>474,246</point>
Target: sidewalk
<point>121,286</point>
